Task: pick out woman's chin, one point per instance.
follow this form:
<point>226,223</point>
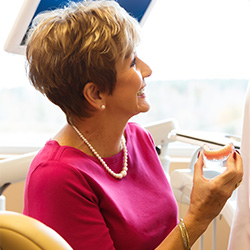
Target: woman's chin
<point>144,107</point>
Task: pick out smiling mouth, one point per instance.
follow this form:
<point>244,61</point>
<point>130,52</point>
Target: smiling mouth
<point>140,92</point>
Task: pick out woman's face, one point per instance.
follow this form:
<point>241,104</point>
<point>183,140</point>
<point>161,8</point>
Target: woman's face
<point>128,97</point>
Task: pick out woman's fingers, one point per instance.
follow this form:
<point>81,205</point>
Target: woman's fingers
<point>198,167</point>
<point>235,162</point>
<point>209,195</point>
<point>234,170</point>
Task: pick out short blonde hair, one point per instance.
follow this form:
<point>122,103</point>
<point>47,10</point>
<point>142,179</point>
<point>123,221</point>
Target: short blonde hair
<point>80,43</point>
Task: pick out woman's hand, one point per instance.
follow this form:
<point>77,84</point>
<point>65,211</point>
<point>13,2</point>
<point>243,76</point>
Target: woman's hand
<point>210,195</point>
<point>207,199</point>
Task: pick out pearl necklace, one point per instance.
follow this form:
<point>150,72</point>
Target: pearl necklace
<point>120,175</point>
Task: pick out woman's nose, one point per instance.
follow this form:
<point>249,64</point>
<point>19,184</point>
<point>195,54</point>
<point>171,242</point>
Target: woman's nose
<point>146,70</point>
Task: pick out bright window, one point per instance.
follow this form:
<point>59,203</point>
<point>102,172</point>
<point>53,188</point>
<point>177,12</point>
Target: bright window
<point>199,51</point>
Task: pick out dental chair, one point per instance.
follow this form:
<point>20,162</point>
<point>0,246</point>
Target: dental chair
<point>18,231</point>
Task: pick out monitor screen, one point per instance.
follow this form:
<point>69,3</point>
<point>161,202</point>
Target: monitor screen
<point>15,42</point>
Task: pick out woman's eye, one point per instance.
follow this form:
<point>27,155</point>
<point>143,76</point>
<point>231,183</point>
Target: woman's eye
<point>133,62</point>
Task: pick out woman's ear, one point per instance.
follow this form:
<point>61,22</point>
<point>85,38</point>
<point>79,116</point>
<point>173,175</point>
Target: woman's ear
<point>94,96</point>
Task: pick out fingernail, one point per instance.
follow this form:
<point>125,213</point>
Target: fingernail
<point>234,155</point>
<point>237,151</point>
<point>198,155</point>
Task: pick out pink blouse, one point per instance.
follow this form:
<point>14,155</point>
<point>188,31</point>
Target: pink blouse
<point>72,193</point>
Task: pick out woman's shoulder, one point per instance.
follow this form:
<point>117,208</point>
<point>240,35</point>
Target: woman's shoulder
<point>57,158</point>
<point>138,133</point>
<point>53,151</point>
<point>134,127</point>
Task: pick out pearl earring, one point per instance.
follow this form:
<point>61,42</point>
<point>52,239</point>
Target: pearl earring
<point>103,107</point>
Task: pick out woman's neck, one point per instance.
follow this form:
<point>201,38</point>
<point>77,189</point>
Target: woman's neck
<point>104,136</point>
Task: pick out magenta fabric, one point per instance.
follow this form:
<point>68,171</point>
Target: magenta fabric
<point>72,193</point>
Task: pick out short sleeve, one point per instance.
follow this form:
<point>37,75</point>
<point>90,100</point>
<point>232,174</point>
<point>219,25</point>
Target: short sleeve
<point>61,197</point>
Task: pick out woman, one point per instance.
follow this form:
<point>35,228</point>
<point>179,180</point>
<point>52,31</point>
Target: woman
<point>99,182</point>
